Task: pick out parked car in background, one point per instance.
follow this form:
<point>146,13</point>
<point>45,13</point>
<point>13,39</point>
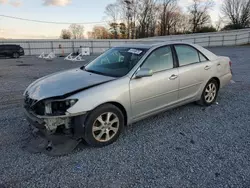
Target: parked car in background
<point>122,86</point>
<point>11,50</point>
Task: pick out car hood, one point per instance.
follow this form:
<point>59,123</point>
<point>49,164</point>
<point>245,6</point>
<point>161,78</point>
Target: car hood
<point>64,83</point>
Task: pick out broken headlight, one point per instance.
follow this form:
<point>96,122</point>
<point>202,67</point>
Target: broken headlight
<point>57,108</point>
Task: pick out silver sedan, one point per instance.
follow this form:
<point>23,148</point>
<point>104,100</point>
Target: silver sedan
<point>124,85</point>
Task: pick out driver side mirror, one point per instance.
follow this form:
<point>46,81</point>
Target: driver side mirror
<point>144,72</point>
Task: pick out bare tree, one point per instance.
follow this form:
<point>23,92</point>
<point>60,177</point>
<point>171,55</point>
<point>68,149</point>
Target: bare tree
<point>139,17</point>
<point>199,15</point>
<point>128,10</point>
<point>219,24</point>
<point>114,29</point>
<point>132,10</point>
<point>182,25</point>
<point>65,34</point>
<point>76,31</point>
<point>146,18</point>
<point>113,12</point>
<point>238,12</point>
<point>179,23</point>
<point>167,15</point>
<point>99,32</point>
<point>90,35</point>
<point>122,28</point>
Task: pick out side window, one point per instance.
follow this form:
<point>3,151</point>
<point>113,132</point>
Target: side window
<point>202,57</point>
<point>160,59</point>
<point>10,48</point>
<point>186,55</point>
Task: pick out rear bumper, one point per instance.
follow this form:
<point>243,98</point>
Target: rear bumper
<point>225,79</point>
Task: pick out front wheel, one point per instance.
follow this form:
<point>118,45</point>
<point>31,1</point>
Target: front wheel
<point>15,55</point>
<point>103,126</point>
<point>210,93</point>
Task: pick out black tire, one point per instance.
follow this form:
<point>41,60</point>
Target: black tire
<point>91,120</point>
<point>15,55</point>
<point>203,101</point>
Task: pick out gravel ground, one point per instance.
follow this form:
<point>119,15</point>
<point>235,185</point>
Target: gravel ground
<point>189,146</point>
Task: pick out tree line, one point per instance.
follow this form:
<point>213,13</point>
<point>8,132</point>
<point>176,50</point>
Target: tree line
<point>132,19</point>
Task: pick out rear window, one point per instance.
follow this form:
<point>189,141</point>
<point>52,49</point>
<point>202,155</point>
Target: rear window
<point>202,57</point>
<point>186,55</point>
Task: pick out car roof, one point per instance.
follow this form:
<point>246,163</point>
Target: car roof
<point>9,45</point>
<point>151,44</point>
<point>134,45</point>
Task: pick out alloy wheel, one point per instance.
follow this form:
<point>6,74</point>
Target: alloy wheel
<point>15,55</point>
<point>210,92</point>
<point>105,127</point>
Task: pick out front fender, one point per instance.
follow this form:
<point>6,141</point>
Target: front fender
<point>114,91</point>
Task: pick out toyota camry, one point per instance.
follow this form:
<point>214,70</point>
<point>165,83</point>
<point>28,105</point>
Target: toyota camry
<point>123,85</point>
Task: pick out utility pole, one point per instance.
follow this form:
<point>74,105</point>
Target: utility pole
<point>128,5</point>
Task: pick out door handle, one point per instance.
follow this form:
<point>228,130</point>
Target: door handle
<point>207,67</point>
<point>173,77</point>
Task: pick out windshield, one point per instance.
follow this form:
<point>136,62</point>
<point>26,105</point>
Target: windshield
<point>116,62</point>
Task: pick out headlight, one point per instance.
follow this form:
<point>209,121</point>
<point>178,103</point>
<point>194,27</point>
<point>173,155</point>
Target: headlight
<point>58,107</point>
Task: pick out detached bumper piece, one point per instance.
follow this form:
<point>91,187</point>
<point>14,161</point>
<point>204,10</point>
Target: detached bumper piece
<point>54,142</point>
<point>56,146</point>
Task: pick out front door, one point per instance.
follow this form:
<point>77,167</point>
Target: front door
<point>149,94</point>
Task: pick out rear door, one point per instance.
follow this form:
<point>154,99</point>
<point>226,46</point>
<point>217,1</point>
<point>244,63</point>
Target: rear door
<point>150,94</point>
<point>194,71</point>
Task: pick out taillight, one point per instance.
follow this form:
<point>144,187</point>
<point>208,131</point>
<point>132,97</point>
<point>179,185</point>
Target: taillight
<point>230,64</point>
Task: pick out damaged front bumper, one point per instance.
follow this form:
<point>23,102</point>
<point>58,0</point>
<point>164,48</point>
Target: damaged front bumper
<point>51,123</point>
<point>56,135</point>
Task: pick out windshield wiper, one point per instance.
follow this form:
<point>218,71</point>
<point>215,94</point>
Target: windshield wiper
<point>95,72</point>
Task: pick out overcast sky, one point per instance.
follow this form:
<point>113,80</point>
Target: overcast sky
<point>58,11</point>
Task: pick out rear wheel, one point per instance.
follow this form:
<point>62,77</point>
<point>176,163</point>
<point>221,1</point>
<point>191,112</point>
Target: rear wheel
<point>210,93</point>
<point>103,126</point>
<point>15,55</point>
